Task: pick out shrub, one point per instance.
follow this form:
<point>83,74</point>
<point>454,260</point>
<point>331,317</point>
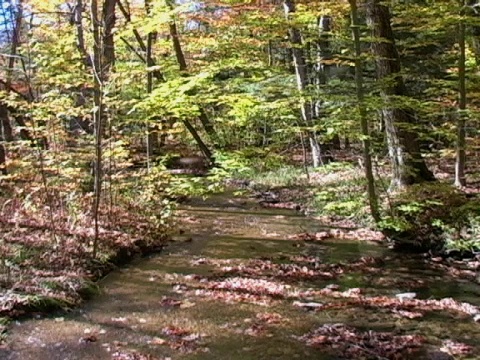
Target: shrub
<point>433,216</point>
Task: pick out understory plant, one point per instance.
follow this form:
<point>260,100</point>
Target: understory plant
<point>433,216</point>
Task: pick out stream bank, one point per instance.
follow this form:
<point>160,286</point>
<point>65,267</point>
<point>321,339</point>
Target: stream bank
<point>238,283</point>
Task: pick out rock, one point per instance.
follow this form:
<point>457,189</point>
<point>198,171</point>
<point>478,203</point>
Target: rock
<point>406,296</point>
<point>308,305</point>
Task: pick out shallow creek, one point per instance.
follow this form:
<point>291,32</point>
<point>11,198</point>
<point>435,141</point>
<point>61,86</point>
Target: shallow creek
<point>144,307</point>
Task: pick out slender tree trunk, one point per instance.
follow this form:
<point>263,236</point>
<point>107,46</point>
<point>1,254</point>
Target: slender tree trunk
<point>408,166</point>
<point>77,20</point>
<point>372,195</point>
<point>177,47</point>
<point>97,117</point>
<point>462,106</point>
<point>203,148</point>
<point>182,63</point>
<point>7,130</point>
<point>152,133</point>
<point>270,53</point>
<point>6,134</point>
<point>159,76</point>
<point>301,73</point>
<point>322,75</point>
<point>3,158</point>
<point>17,28</point>
<point>108,41</point>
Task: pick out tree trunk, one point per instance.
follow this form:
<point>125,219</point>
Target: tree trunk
<point>159,76</point>
<point>3,158</point>
<point>462,105</point>
<point>408,166</point>
<point>17,28</point>
<point>177,47</point>
<point>97,117</point>
<point>77,20</point>
<point>372,195</point>
<point>6,126</point>
<point>204,120</point>
<point>301,73</point>
<point>108,43</point>
<point>152,130</point>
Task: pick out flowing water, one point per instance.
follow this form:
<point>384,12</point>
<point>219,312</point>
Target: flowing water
<point>156,308</point>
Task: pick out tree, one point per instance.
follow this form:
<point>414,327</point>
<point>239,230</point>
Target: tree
<point>462,105</point>
<point>367,158</point>
<point>98,113</point>
<point>408,166</point>
<point>302,76</point>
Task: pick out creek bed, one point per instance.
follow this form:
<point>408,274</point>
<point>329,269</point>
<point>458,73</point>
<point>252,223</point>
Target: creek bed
<point>193,301</point>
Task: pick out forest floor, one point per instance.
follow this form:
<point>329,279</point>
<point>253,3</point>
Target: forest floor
<point>44,268</point>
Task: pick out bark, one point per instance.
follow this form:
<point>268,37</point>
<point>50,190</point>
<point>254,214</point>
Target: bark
<point>203,148</point>
<point>372,195</point>
<point>408,166</point>
<point>462,106</point>
<point>3,158</point>
<point>108,23</point>
<point>6,126</point>
<point>177,47</point>
<point>17,27</point>
<point>97,117</point>
<point>271,60</point>
<point>152,131</point>
<point>6,134</point>
<point>77,20</point>
<point>301,74</point>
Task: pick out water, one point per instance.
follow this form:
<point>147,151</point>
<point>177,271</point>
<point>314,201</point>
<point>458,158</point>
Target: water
<point>144,307</point>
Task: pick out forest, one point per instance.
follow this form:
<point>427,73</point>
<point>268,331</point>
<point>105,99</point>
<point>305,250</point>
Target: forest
<point>251,179</point>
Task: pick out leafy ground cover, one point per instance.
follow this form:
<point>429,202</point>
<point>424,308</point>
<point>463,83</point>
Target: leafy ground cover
<point>46,260</point>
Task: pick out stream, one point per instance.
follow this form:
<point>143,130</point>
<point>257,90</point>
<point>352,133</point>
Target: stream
<point>234,285</point>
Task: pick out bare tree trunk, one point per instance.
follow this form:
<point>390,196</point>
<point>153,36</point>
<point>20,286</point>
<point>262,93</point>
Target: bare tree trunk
<point>97,116</point>
<point>177,47</point>
<point>301,73</point>
<point>271,59</point>
<point>17,28</point>
<point>3,158</point>
<point>77,20</point>
<point>372,195</point>
<point>7,131</point>
<point>152,133</point>
<point>462,106</point>
<point>108,42</point>
<point>407,163</point>
<point>159,76</point>
<point>182,63</point>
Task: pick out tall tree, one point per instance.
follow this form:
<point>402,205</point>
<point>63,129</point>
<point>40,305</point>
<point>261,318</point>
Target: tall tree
<point>108,41</point>
<point>301,73</point>
<point>462,105</point>
<point>408,166</point>
<point>367,158</point>
<point>97,116</point>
